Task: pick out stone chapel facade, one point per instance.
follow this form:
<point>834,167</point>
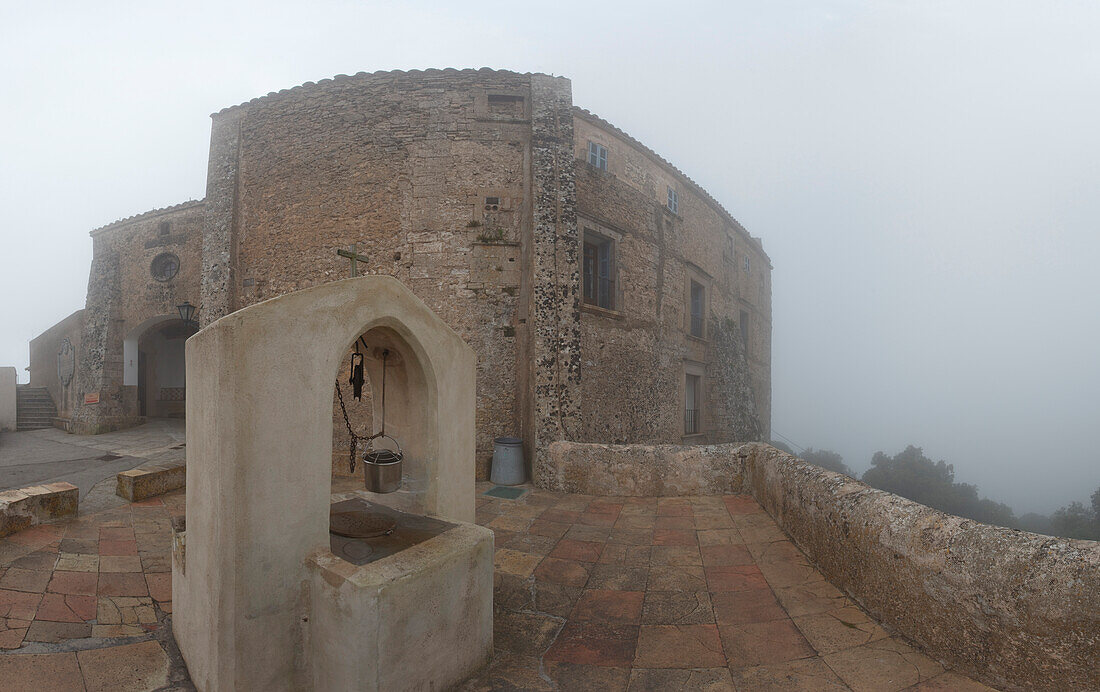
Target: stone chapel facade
<point>608,297</point>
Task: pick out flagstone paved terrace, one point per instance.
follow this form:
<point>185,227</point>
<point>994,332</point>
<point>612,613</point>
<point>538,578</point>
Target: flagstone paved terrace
<point>590,593</point>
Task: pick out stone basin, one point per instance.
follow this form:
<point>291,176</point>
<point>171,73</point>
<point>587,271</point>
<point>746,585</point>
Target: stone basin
<point>408,530</point>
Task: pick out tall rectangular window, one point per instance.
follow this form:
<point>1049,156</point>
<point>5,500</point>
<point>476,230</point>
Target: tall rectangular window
<point>744,324</point>
<point>597,155</point>
<point>692,402</point>
<point>673,201</point>
<point>698,305</point>
<point>598,271</point>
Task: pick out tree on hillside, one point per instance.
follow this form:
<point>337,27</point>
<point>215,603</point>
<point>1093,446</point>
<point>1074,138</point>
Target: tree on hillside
<point>826,459</point>
<point>1076,521</point>
<point>915,476</point>
<point>1036,523</point>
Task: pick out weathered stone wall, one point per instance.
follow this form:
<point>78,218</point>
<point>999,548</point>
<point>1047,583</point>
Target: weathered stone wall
<point>430,174</point>
<point>43,361</point>
<point>641,470</point>
<point>122,295</point>
<point>554,310</point>
<point>635,356</point>
<point>1015,609</point>
<point>465,185</point>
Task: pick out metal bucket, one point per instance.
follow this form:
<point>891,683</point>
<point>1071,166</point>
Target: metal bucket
<point>382,468</point>
<point>508,467</point>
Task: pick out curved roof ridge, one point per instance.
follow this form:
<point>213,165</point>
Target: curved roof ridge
<point>146,214</point>
<point>592,117</point>
<point>376,73</point>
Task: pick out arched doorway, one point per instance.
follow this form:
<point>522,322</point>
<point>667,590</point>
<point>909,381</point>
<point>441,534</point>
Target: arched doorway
<point>155,365</point>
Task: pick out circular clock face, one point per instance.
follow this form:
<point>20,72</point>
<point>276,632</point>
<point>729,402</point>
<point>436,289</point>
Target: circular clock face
<point>164,266</point>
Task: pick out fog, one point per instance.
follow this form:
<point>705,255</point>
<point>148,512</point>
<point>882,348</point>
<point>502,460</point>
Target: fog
<point>923,175</point>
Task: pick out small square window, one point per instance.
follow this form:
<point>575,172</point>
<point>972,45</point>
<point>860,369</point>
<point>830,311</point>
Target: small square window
<point>698,305</point>
<point>673,201</point>
<point>693,397</point>
<point>597,155</point>
<point>165,227</point>
<point>599,271</point>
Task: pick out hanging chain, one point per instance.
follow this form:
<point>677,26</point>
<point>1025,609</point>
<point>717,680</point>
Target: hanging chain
<point>355,438</point>
<point>385,353</point>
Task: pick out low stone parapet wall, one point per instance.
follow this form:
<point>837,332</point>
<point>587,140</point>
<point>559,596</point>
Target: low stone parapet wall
<point>640,470</point>
<point>23,508</point>
<point>1014,609</point>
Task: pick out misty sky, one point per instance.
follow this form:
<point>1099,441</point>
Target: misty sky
<point>924,176</point>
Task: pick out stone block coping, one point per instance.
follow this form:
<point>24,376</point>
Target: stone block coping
<point>152,480</point>
<point>23,508</point>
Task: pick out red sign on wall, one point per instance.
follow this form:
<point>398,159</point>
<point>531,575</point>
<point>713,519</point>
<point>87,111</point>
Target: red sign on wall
<point>91,398</point>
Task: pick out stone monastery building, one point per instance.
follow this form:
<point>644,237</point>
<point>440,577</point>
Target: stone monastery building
<point>609,297</point>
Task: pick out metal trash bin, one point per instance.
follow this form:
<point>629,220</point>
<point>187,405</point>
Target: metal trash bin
<point>508,468</point>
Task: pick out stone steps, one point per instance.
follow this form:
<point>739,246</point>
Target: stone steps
<point>34,409</point>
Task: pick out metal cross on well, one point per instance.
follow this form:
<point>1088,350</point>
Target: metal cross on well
<point>352,254</point>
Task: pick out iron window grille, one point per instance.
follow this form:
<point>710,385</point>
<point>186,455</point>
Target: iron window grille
<point>691,421</point>
<point>744,325</point>
<point>692,396</point>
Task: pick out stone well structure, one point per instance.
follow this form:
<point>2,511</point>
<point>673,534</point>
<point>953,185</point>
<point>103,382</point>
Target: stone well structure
<point>609,298</point>
<point>259,601</point>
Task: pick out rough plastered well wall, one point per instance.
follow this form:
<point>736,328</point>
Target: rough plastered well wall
<point>636,355</point>
<point>404,165</point>
<point>1015,609</point>
<point>122,294</point>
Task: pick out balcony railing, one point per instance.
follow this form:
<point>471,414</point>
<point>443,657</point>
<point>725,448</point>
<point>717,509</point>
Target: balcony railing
<point>691,421</point>
<point>697,326</point>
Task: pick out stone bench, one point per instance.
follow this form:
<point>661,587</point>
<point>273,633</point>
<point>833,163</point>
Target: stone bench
<point>151,480</point>
<point>23,508</point>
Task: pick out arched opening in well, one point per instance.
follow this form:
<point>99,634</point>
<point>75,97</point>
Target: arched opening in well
<point>395,412</point>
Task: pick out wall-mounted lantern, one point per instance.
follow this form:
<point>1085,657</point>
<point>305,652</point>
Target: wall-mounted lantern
<point>187,311</point>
